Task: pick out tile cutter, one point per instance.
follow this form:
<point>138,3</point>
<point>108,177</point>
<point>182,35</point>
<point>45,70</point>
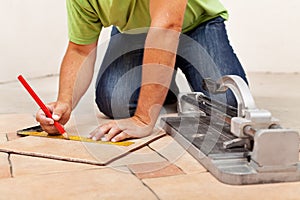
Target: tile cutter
<point>243,145</point>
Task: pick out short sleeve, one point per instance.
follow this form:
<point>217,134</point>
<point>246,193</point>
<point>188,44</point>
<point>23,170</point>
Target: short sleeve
<point>84,25</point>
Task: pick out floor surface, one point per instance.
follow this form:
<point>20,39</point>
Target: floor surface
<point>160,170</point>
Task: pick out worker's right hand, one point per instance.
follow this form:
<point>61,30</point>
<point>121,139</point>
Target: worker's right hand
<point>60,112</point>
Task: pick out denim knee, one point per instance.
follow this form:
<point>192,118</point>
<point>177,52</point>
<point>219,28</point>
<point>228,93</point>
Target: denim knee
<point>114,107</point>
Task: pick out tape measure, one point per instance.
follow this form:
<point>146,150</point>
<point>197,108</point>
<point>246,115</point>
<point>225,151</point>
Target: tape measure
<point>37,131</point>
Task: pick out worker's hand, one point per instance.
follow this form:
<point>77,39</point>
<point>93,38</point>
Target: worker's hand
<point>118,130</point>
<point>60,112</point>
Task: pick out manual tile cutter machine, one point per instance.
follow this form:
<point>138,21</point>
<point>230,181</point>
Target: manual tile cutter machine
<point>238,146</point>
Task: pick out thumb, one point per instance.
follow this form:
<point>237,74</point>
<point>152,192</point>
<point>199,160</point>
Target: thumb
<point>56,117</point>
<point>58,111</point>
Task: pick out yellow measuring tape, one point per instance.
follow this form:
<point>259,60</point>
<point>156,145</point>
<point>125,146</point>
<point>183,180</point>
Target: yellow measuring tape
<point>71,137</point>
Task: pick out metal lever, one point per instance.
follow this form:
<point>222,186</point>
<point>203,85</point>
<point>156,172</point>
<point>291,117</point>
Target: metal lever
<point>248,113</point>
<point>269,153</point>
<point>240,90</point>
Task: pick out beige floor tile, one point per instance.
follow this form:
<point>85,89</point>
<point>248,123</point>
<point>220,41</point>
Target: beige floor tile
<point>176,154</point>
<point>205,186</point>
<point>63,149</point>
<point>275,84</point>
<point>81,123</point>
<point>17,99</point>
<point>100,154</point>
<point>168,148</point>
<point>88,184</point>
<point>12,136</point>
<point>280,94</point>
<point>284,109</point>
<point>48,147</point>
<point>189,165</point>
<point>143,155</point>
<point>155,170</point>
<point>4,166</point>
<point>27,165</point>
<point>13,122</point>
<point>3,138</point>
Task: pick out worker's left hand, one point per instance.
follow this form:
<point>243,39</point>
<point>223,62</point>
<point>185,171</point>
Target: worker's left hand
<point>118,130</point>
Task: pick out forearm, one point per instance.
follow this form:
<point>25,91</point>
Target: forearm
<point>159,56</point>
<point>76,73</point>
<point>158,65</point>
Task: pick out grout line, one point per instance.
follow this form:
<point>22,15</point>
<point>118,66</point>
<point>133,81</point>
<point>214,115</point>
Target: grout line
<point>149,188</point>
<point>173,163</point>
<point>6,137</point>
<point>158,153</point>
<point>146,143</point>
<point>32,78</point>
<point>9,161</point>
<point>10,166</point>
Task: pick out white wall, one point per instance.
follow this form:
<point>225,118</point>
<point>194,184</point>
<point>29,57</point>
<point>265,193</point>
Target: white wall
<point>33,35</point>
<point>32,38</point>
<point>265,34</point>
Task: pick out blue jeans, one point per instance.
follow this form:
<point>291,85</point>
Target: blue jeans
<point>204,52</point>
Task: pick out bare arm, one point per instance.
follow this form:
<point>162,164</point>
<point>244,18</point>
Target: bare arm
<point>78,64</point>
<point>158,64</point>
<point>159,56</point>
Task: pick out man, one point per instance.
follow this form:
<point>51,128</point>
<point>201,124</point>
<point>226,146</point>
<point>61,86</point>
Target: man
<point>137,70</point>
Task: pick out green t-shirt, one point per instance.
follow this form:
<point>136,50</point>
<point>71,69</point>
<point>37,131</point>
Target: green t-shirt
<point>87,17</point>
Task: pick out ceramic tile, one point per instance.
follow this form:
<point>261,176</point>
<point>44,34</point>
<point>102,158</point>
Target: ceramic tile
<point>280,94</point>
<point>189,165</point>
<point>4,166</point>
<point>27,165</point>
<point>86,184</point>
<point>205,186</point>
<point>17,99</point>
<point>47,146</point>
<point>176,154</point>
<point>3,138</point>
<point>12,136</point>
<point>168,148</point>
<point>13,122</point>
<point>154,170</point>
<point>282,108</point>
<point>81,123</point>
<point>63,149</point>
<point>143,155</point>
<point>71,150</point>
<point>273,84</point>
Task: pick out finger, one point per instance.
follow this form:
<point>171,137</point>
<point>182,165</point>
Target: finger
<point>41,117</point>
<point>100,131</point>
<point>93,133</point>
<point>121,136</point>
<point>47,121</point>
<point>56,117</point>
<point>58,112</point>
<point>49,129</point>
<point>111,133</point>
<point>50,107</point>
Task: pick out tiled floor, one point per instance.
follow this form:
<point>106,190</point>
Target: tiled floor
<point>160,170</point>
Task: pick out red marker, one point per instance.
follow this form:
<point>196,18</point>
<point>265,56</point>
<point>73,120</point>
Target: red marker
<point>58,126</point>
